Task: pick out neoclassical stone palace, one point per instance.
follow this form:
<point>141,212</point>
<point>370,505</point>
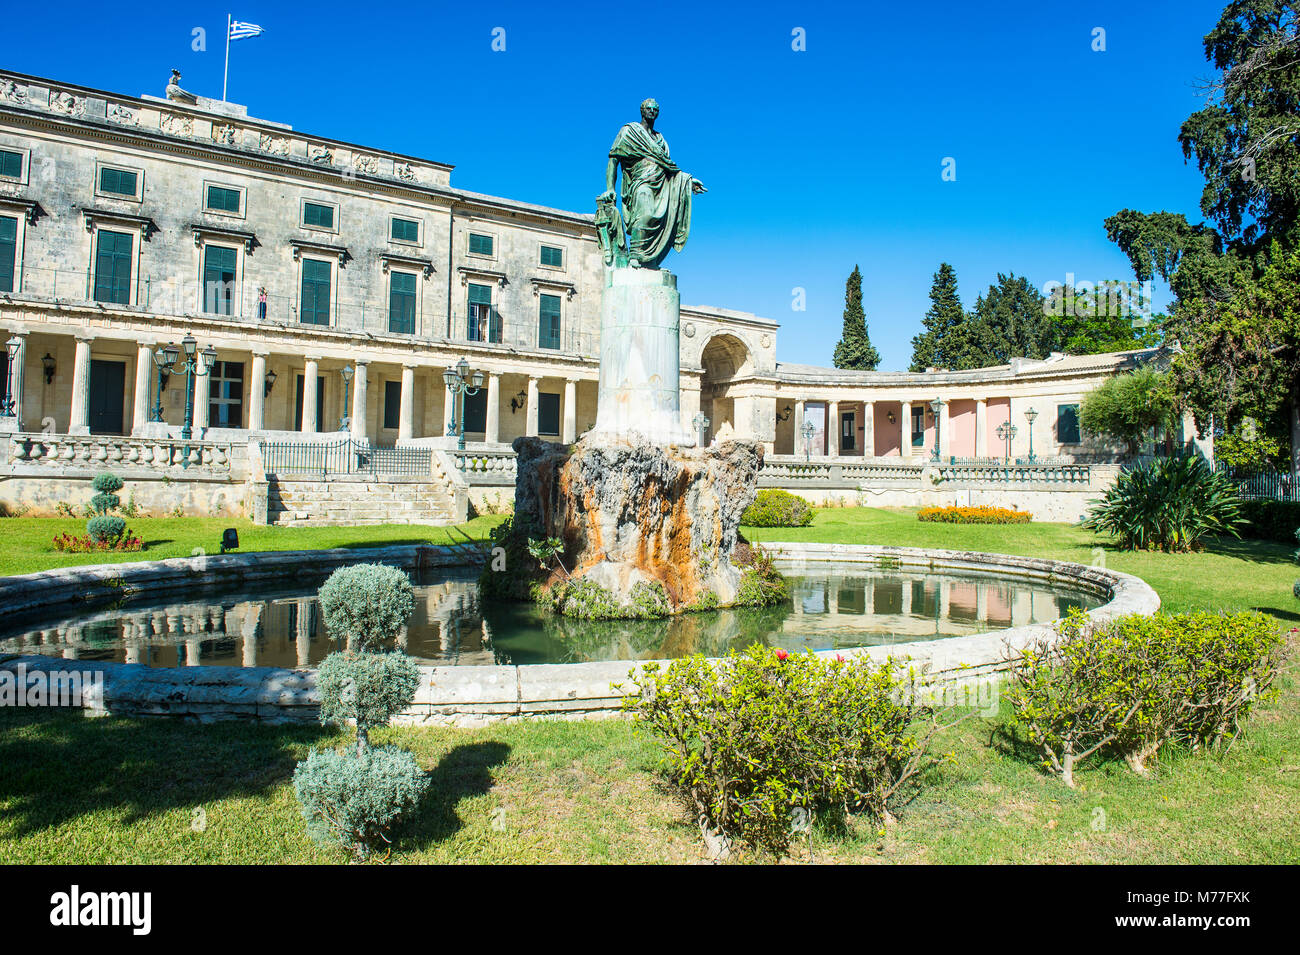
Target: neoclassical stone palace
<point>325,287</point>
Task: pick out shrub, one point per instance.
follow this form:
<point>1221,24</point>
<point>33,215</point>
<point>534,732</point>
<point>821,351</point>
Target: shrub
<point>1170,504</point>
<point>755,741</point>
<point>514,581</point>
<point>368,603</point>
<point>1126,407</point>
<point>586,600</point>
<point>649,600</point>
<point>1270,520</point>
<point>1126,688</point>
<point>370,688</point>
<point>773,507</point>
<point>106,530</point>
<point>974,515</point>
<point>355,801</point>
<point>761,584</point>
<point>705,600</point>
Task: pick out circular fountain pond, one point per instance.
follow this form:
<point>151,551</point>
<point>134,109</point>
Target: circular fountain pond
<point>832,606</point>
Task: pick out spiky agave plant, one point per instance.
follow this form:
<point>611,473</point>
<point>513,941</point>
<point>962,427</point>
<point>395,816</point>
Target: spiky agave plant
<point>1169,504</point>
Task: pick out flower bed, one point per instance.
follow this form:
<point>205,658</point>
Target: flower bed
<point>973,515</point>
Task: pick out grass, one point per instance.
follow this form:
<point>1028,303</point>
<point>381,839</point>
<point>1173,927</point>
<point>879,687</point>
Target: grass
<point>28,541</point>
<point>124,790</point>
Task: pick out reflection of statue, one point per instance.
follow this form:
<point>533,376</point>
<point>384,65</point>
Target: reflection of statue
<point>656,196</point>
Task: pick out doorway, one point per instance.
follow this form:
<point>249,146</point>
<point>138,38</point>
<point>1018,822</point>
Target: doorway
<point>107,388</point>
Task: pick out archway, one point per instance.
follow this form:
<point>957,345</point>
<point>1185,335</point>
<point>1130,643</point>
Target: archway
<point>724,359</point>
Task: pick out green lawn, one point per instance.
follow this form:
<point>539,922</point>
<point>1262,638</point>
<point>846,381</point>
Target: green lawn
<point>28,540</point>
<point>122,790</point>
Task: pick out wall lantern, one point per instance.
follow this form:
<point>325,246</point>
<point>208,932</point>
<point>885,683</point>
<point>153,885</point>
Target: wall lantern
<point>48,364</point>
<point>784,413</point>
<point>270,383</point>
<point>518,401</point>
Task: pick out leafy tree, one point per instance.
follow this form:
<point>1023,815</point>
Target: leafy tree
<point>1127,406</point>
<point>1109,318</point>
<point>946,314</point>
<point>855,349</point>
<point>1008,321</point>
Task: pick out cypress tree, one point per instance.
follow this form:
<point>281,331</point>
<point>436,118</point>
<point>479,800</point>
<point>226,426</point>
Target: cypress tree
<point>855,349</point>
<point>932,347</point>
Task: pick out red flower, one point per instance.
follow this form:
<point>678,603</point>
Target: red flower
<point>781,654</point>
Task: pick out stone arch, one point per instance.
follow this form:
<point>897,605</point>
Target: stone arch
<point>724,358</point>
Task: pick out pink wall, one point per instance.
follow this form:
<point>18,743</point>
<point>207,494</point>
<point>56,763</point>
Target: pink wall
<point>999,411</point>
<point>961,434</point>
<point>887,436</point>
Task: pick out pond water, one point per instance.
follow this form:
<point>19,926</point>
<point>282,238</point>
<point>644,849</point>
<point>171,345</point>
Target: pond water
<point>830,607</point>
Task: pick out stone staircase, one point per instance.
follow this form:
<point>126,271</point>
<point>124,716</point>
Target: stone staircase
<point>359,499</point>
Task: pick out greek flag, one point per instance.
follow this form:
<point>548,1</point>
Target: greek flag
<point>242,31</point>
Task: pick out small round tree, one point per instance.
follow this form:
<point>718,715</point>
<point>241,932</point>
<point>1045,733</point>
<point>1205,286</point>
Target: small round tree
<point>367,604</point>
<point>104,527</point>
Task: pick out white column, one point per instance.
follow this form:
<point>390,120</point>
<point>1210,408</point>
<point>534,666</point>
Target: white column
<point>531,427</point>
<point>868,428</point>
<point>14,384</point>
<point>79,422</point>
<point>449,422</point>
<point>143,374</point>
<point>833,429</point>
<point>406,410</point>
<point>981,428</point>
<point>358,422</point>
<point>311,371</point>
<point>202,386</point>
<point>905,431</point>
<point>942,422</point>
<point>256,386</point>
<point>800,445</point>
<point>569,430</point>
<point>492,435</point>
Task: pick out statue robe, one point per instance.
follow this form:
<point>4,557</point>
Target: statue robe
<point>656,195</point>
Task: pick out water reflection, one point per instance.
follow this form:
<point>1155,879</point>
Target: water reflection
<point>831,607</point>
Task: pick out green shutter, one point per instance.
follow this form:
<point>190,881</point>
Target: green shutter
<point>392,404</point>
<point>222,199</point>
<point>1067,424</point>
<point>11,164</point>
<point>401,302</point>
<point>315,214</point>
<point>552,256</point>
<point>219,280</point>
<point>480,244</point>
<point>548,322</point>
<point>406,230</point>
<point>8,252</point>
<point>113,267</point>
<point>548,413</point>
<point>315,305</point>
<point>117,181</point>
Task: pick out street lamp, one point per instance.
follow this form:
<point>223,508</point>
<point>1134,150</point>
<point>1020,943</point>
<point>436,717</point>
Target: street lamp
<point>196,363</point>
<point>701,425</point>
<point>461,384</point>
<point>808,431</point>
<point>11,376</point>
<point>1006,432</point>
<point>347,373</point>
<point>936,406</point>
<point>1030,415</point>
<point>162,359</point>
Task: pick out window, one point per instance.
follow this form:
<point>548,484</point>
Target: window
<point>317,216</point>
<point>401,302</point>
<point>221,199</point>
<point>548,413</point>
<point>226,395</point>
<point>219,280</point>
<point>392,404</point>
<point>918,427</point>
<point>113,267</point>
<point>315,300</point>
<point>405,230</point>
<point>484,323</point>
<point>8,252</point>
<point>11,165</point>
<point>553,257</point>
<point>1067,424</point>
<point>480,244</point>
<point>548,322</point>
<point>475,412</point>
<point>119,182</point>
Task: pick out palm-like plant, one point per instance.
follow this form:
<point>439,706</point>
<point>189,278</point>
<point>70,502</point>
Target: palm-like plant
<point>1170,504</point>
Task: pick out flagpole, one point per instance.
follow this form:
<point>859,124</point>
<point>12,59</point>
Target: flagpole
<point>225,77</point>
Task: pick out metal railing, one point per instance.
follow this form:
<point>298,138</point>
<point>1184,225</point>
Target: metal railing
<point>1266,485</point>
<point>344,457</point>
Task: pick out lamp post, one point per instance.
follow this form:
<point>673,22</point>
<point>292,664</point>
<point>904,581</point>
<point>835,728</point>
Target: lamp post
<point>808,431</point>
<point>11,375</point>
<point>1006,431</point>
<point>936,406</point>
<point>196,363</point>
<point>458,381</point>
<point>161,362</point>
<point>1030,415</point>
<point>701,425</point>
<point>347,373</point>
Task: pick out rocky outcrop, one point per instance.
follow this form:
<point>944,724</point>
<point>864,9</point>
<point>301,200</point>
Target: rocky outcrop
<point>637,512</point>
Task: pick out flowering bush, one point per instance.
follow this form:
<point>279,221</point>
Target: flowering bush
<point>759,742</point>
<point>973,515</point>
<point>85,544</point>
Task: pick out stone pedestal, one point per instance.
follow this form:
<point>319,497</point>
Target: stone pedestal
<point>639,398</point>
<point>631,513</point>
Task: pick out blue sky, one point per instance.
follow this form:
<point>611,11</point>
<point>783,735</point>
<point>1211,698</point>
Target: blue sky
<point>815,160</point>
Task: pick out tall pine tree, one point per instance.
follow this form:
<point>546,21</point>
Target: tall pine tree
<point>932,347</point>
<point>855,349</point>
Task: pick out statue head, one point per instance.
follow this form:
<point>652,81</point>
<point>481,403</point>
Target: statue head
<point>650,109</point>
